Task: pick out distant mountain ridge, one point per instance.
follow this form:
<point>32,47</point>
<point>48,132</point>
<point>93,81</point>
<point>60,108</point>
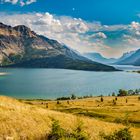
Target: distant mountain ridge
<point>128,58</point>
<point>131,58</point>
<point>21,47</point>
<point>99,58</point>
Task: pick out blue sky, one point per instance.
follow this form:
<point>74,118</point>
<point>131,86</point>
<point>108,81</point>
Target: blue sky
<point>110,27</point>
<point>106,11</point>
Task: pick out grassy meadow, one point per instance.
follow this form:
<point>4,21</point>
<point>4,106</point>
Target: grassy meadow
<point>32,119</point>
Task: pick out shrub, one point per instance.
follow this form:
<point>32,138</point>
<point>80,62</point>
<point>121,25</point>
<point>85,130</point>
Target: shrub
<point>58,133</point>
<point>78,133</point>
<point>122,134</point>
<point>102,99</point>
<point>58,102</point>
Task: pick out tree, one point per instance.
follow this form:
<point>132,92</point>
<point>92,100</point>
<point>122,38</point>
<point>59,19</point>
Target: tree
<point>122,92</point>
<point>131,92</point>
<point>137,91</point>
<point>73,97</point>
<point>113,94</point>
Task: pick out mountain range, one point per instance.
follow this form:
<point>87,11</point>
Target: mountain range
<point>131,58</point>
<point>22,47</point>
<point>99,58</point>
<point>128,58</point>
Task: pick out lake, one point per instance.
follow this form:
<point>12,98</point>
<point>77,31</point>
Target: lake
<point>53,83</point>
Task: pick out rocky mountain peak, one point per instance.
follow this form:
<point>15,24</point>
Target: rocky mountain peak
<point>4,26</point>
<point>24,30</point>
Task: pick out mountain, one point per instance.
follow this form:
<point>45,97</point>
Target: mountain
<point>21,47</point>
<point>131,58</point>
<point>99,58</point>
<point>123,57</point>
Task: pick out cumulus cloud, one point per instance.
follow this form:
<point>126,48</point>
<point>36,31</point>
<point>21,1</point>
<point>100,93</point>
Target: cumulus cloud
<point>20,2</point>
<point>135,25</point>
<point>10,1</point>
<point>99,35</point>
<point>81,35</point>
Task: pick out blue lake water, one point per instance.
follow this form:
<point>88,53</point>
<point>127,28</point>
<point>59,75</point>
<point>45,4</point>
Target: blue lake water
<point>53,83</point>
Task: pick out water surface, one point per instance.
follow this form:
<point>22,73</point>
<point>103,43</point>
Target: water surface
<point>53,83</point>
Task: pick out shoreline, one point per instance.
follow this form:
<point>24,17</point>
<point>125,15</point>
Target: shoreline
<point>3,73</point>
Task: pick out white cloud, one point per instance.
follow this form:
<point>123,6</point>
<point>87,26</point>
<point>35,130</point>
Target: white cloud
<point>20,2</point>
<point>135,25</point>
<point>11,1</point>
<point>98,35</point>
<point>79,34</point>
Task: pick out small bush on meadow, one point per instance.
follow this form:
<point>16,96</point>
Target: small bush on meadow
<point>58,133</point>
<point>102,99</point>
<point>122,134</point>
<point>78,133</point>
<point>58,102</point>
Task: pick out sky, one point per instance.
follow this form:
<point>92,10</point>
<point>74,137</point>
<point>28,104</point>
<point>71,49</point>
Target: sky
<point>110,27</point>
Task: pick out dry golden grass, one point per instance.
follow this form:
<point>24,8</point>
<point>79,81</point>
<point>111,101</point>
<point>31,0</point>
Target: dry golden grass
<point>102,112</point>
<point>23,121</point>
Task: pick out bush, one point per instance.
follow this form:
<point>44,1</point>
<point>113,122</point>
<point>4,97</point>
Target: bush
<point>58,102</point>
<point>122,92</point>
<point>122,134</point>
<point>58,133</point>
<point>102,99</point>
<point>78,133</point>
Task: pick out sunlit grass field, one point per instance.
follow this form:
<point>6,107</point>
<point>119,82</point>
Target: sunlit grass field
<point>106,116</point>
